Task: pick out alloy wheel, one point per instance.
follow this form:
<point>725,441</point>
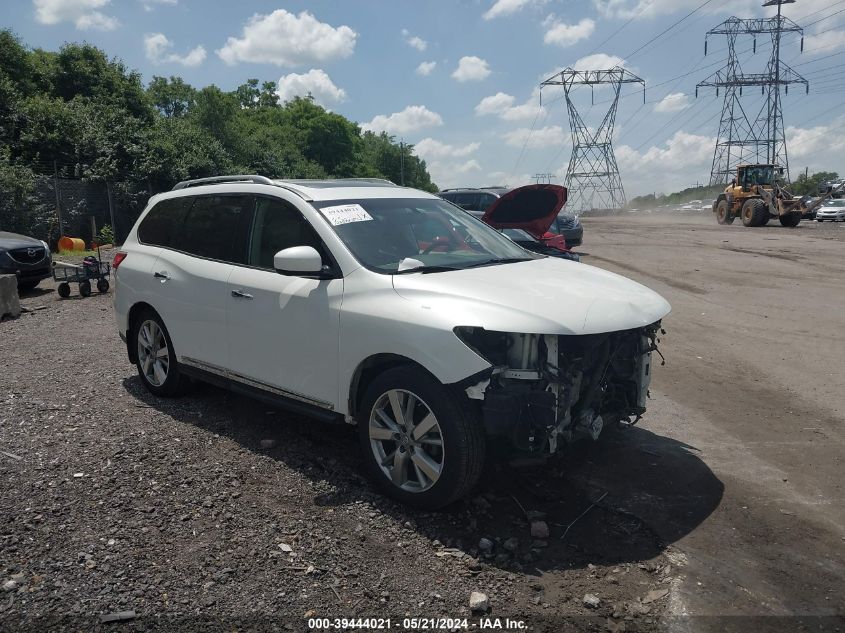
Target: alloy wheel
<point>406,440</point>
<point>153,353</point>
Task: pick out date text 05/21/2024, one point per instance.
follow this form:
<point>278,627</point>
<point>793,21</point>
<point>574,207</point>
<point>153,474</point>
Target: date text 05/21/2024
<point>416,624</point>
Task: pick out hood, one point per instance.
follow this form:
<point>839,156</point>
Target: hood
<point>9,241</point>
<point>532,208</point>
<point>541,296</point>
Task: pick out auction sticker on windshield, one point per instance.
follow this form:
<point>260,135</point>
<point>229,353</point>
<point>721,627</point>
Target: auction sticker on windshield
<point>345,214</point>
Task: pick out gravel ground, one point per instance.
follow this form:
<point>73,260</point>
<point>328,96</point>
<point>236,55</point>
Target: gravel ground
<point>213,512</point>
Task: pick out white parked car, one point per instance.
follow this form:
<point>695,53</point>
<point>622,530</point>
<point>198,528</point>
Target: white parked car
<point>833,210</point>
<point>385,307</point>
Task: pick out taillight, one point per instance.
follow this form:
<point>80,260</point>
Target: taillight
<point>119,256</point>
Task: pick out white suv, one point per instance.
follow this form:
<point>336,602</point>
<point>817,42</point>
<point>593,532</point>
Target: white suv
<point>385,307</point>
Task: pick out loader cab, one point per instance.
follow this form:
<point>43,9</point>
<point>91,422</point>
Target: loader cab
<point>763,175</point>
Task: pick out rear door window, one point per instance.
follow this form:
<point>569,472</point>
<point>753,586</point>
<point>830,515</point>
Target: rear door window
<point>214,228</point>
<point>163,222</point>
<point>485,201</point>
<point>468,201</point>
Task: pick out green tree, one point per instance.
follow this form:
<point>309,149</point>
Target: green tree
<point>809,184</point>
<point>172,97</point>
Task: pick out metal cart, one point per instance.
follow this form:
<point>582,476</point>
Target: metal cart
<point>92,269</point>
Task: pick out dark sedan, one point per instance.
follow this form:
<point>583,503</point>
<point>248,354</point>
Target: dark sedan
<point>26,257</point>
<point>568,225</point>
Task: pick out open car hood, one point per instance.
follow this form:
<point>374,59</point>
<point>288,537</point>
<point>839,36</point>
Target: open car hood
<point>532,208</point>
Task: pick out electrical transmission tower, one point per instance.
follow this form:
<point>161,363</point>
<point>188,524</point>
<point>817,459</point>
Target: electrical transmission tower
<point>592,176</point>
<point>743,138</point>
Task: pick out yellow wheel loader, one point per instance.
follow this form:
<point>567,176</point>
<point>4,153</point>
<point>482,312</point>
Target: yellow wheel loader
<point>756,195</point>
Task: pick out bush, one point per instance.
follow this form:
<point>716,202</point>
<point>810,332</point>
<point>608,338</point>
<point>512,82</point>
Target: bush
<point>106,235</point>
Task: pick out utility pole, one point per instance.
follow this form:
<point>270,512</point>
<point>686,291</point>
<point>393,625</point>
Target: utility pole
<point>592,176</point>
<point>743,138</point>
<point>402,162</point>
<point>58,198</point>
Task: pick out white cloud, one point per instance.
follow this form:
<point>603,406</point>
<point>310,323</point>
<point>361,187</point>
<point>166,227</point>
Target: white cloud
<point>158,50</point>
<point>507,179</point>
<point>426,68</point>
<point>548,136</point>
<point>502,105</point>
<point>411,119</point>
<point>413,41</point>
<point>502,8</point>
<point>495,104</point>
<point>674,102</point>
<point>678,154</point>
<point>598,61</point>
<point>826,41</point>
<point>83,13</point>
<point>643,9</point>
<point>431,149</point>
<point>562,34</point>
<point>285,39</point>
<point>149,5</point>
<point>471,68</point>
<point>315,82</point>
<point>821,146</point>
<point>453,174</point>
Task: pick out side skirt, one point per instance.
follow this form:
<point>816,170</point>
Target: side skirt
<point>289,404</point>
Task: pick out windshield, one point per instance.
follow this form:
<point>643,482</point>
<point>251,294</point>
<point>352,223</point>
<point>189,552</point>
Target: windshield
<point>835,203</point>
<point>392,235</point>
<point>763,175</point>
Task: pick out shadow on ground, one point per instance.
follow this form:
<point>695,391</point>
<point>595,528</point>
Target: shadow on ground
<point>623,499</point>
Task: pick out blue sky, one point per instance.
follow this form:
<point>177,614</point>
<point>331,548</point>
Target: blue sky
<point>459,78</point>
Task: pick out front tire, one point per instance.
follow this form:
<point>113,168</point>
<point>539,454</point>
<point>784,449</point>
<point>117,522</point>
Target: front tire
<point>754,212</point>
<point>790,220</point>
<point>156,359</point>
<point>723,213</point>
<point>420,444</point>
<point>28,285</point>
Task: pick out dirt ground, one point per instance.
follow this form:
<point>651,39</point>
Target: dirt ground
<point>213,512</point>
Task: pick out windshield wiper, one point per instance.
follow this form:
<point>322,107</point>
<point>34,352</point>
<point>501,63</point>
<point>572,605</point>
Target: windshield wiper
<point>503,260</point>
<point>426,269</point>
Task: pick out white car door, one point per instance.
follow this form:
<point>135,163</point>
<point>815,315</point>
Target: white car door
<point>283,330</point>
<point>192,274</point>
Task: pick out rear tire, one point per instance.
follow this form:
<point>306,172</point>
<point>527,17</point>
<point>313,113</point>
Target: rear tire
<point>85,288</point>
<point>431,452</point>
<point>754,211</point>
<point>158,368</point>
<point>63,290</point>
<point>103,285</point>
<point>790,220</point>
<point>723,213</point>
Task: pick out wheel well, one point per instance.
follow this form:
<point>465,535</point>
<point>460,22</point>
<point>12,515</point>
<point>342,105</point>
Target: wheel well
<point>134,311</point>
<point>368,370</point>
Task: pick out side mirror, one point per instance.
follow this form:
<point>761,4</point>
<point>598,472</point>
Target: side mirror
<point>298,260</point>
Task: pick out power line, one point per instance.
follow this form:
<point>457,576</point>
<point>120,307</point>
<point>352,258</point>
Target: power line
<point>669,28</point>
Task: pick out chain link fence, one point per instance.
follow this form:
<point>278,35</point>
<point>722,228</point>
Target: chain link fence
<point>55,206</point>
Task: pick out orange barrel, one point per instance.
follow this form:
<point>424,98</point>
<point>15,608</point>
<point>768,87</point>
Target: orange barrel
<point>71,244</point>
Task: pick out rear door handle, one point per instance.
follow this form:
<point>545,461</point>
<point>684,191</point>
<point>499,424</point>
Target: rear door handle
<point>161,275</point>
<point>240,294</point>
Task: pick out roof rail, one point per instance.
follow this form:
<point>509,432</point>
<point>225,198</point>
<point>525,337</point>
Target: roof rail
<point>459,189</point>
<point>384,181</point>
<point>217,180</point>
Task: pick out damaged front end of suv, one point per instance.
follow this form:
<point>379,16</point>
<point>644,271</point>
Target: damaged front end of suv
<point>546,390</point>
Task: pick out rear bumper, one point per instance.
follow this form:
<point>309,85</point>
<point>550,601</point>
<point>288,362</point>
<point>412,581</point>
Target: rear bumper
<point>574,237</point>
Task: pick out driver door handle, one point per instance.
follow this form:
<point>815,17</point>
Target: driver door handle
<point>240,294</point>
<point>161,275</point>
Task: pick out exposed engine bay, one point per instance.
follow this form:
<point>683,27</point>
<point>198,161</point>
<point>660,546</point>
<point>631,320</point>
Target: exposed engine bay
<point>547,389</point>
